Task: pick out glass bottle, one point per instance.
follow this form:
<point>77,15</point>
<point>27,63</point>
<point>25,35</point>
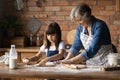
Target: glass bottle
<point>38,40</point>
<point>7,58</point>
<point>31,39</point>
<point>13,58</point>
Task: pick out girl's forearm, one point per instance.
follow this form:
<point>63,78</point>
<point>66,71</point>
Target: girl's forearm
<point>55,57</point>
<point>34,58</point>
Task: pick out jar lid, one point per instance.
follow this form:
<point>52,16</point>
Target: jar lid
<point>114,55</point>
<point>12,45</point>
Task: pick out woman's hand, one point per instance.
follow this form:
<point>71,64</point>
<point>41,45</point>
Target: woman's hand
<point>65,61</point>
<point>69,61</point>
<point>25,60</point>
<point>75,60</point>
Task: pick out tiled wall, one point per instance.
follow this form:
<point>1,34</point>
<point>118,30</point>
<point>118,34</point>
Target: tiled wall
<point>59,10</point>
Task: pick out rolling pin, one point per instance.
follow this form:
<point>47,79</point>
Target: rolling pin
<point>74,66</point>
<point>110,68</point>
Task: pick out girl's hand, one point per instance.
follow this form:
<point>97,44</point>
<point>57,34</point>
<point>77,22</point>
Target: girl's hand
<point>25,60</point>
<point>42,62</point>
<point>57,62</point>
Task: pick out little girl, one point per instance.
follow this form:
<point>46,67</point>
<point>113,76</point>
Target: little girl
<point>53,46</point>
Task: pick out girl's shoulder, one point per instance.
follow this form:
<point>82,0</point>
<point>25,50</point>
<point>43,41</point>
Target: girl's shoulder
<point>62,42</point>
<point>42,48</point>
<point>61,45</point>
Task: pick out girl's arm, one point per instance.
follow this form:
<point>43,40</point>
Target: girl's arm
<point>33,58</point>
<point>58,56</point>
<point>36,57</point>
<point>54,57</point>
<point>39,54</point>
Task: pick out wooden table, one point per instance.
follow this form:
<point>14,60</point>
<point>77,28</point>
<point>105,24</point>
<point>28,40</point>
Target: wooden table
<point>58,72</point>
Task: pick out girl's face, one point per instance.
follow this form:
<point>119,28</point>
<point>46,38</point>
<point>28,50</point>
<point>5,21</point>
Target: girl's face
<point>51,37</point>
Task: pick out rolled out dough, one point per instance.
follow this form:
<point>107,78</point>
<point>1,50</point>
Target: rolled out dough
<point>49,64</point>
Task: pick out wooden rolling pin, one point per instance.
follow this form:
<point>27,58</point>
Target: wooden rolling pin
<point>109,68</point>
<point>102,68</point>
<point>74,66</point>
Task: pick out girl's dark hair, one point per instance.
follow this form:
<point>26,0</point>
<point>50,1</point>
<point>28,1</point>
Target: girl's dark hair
<point>53,28</point>
<point>85,12</point>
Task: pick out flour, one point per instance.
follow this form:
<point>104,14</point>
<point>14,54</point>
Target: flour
<point>58,69</point>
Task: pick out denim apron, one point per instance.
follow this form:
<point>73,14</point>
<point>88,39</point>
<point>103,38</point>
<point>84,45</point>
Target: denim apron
<point>51,53</point>
<point>101,56</point>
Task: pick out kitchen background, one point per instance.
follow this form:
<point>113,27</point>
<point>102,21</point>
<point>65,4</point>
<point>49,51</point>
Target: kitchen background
<point>33,16</point>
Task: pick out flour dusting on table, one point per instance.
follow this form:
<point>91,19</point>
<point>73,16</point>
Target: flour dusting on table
<point>58,68</point>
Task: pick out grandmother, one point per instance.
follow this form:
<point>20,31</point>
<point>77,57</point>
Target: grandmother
<point>92,34</point>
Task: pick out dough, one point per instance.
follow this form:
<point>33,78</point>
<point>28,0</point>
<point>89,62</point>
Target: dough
<point>74,66</point>
<point>49,64</point>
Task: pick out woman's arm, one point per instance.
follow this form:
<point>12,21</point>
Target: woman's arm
<point>101,36</point>
<point>76,46</point>
<point>69,55</point>
<point>74,60</point>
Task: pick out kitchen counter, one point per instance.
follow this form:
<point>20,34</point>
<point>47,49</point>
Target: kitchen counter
<point>22,50</point>
<point>58,72</point>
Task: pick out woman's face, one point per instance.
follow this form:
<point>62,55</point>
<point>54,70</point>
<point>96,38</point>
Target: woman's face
<point>51,37</point>
<point>80,21</point>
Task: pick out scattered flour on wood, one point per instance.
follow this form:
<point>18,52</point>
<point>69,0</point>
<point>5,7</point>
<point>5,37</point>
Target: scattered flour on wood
<point>58,68</point>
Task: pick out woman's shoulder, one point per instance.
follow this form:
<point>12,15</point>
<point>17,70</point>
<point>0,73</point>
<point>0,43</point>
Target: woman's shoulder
<point>98,21</point>
<point>79,28</point>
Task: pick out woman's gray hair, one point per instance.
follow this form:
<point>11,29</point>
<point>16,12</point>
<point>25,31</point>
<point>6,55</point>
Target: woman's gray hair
<point>82,11</point>
<point>72,14</point>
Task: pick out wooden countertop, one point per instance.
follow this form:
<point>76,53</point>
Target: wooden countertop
<point>27,49</point>
<point>22,49</point>
<point>58,72</point>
